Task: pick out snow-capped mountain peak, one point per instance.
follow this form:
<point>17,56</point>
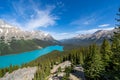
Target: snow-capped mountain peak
<point>82,36</point>
<point>9,31</point>
<point>86,39</point>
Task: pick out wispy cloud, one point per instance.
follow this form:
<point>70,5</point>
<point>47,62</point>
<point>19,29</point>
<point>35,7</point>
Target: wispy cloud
<point>60,36</point>
<point>32,15</point>
<point>104,25</point>
<point>67,35</point>
<point>85,20</point>
<point>41,19</point>
<point>60,4</point>
<point>90,31</point>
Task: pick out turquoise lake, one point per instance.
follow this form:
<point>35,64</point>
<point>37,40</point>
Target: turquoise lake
<point>25,57</point>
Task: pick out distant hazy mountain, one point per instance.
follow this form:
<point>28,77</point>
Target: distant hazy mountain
<point>86,39</point>
<point>9,32</point>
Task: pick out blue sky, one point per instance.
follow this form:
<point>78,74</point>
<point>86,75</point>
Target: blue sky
<point>61,18</point>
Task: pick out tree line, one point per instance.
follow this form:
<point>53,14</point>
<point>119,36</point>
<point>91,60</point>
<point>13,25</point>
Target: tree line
<point>99,62</point>
<point>18,46</point>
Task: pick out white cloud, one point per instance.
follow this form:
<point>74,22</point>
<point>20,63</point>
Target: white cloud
<point>41,19</point>
<point>85,20</point>
<point>60,36</point>
<point>104,25</point>
<point>32,15</point>
<point>92,30</point>
<point>87,31</point>
<point>89,21</point>
<point>67,35</point>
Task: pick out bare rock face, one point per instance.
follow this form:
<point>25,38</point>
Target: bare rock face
<point>86,39</point>
<point>97,35</point>
<point>21,74</point>
<point>61,65</point>
<point>9,32</point>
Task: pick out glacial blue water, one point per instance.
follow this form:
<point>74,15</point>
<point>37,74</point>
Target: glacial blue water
<point>25,57</point>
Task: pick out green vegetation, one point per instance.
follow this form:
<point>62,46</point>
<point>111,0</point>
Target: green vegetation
<point>67,71</point>
<point>18,46</point>
<point>93,63</point>
<point>9,69</point>
<point>99,62</point>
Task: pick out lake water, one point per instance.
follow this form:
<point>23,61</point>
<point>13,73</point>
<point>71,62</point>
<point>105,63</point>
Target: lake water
<point>18,59</point>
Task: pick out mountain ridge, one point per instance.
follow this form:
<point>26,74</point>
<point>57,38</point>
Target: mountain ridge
<point>8,32</point>
<point>86,39</point>
<point>14,40</point>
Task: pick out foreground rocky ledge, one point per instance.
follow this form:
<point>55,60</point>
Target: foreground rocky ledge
<point>21,74</point>
<point>58,72</point>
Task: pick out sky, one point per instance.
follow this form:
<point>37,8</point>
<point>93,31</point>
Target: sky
<point>61,18</point>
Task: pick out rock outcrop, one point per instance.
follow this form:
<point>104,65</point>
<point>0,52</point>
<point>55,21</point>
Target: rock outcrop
<point>21,74</point>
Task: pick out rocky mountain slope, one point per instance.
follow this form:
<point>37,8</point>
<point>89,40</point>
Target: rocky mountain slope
<point>16,40</point>
<point>85,39</point>
<point>9,32</point>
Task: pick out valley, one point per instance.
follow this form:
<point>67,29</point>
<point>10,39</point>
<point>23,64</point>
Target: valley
<point>59,39</point>
<point>70,59</point>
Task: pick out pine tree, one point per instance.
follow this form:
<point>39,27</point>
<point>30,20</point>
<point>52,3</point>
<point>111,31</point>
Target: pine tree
<point>106,52</point>
<point>81,58</point>
<point>93,64</point>
<point>116,50</point>
<point>1,74</point>
<point>116,37</point>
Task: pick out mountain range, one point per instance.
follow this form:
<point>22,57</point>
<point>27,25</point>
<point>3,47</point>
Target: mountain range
<point>9,32</point>
<point>86,39</point>
<point>16,40</point>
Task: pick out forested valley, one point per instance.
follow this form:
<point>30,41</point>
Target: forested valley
<point>99,62</point>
